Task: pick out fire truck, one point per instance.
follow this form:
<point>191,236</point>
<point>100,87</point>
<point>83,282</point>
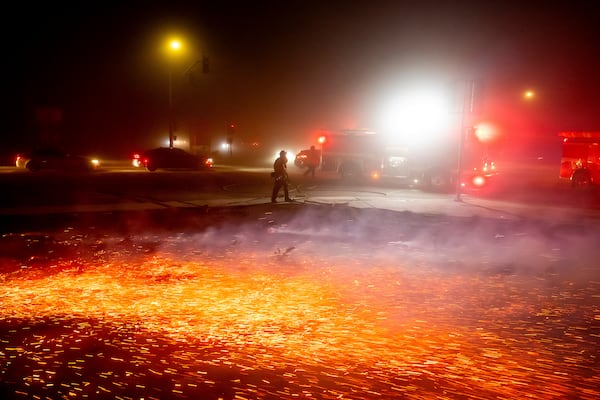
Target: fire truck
<point>580,159</point>
<point>359,154</point>
<point>351,153</point>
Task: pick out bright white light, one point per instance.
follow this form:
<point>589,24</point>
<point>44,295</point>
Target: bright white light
<point>177,142</point>
<point>416,116</point>
<point>291,155</point>
<point>478,181</point>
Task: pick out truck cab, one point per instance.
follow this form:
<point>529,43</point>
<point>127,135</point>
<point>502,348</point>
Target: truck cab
<point>580,158</point>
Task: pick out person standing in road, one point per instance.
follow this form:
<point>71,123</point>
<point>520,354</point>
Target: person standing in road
<point>312,162</point>
<point>280,177</point>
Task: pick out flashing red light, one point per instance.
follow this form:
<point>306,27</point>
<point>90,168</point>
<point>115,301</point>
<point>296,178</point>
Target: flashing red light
<point>322,139</point>
<point>231,128</point>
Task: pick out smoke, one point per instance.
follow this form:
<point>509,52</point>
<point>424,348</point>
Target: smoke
<point>406,240</point>
<point>300,234</point>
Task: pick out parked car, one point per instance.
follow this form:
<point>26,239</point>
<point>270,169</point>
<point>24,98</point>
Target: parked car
<point>56,160</point>
<point>171,158</point>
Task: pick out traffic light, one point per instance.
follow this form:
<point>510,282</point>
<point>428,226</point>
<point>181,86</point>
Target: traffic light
<point>322,139</point>
<point>231,128</point>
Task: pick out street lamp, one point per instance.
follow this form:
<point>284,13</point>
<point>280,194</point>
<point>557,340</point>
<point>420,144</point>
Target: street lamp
<point>174,47</point>
<point>529,94</point>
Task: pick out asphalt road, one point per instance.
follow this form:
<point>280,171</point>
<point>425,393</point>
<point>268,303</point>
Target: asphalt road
<point>534,192</point>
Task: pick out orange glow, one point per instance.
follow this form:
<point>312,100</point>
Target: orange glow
<point>173,46</point>
<point>529,94</point>
<point>316,329</point>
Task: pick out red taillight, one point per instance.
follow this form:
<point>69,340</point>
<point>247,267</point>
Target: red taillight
<point>209,162</point>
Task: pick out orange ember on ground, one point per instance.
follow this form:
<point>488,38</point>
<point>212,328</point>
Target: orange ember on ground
<point>258,326</point>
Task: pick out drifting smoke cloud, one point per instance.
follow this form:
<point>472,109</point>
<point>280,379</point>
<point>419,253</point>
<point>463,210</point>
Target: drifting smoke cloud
<point>404,239</point>
<point>369,237</point>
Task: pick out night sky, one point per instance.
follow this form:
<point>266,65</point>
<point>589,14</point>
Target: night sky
<point>282,70</point>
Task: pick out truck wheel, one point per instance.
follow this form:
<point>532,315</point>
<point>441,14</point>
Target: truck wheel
<point>349,171</point>
<point>581,179</point>
<point>438,181</point>
<point>33,166</point>
<point>151,167</point>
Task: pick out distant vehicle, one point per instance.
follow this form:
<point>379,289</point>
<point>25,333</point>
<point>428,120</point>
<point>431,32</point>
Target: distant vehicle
<point>300,159</point>
<point>580,159</point>
<point>171,158</point>
<point>53,159</point>
<point>303,157</point>
<point>430,166</point>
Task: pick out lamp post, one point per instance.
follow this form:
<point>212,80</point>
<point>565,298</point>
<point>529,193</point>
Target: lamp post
<point>528,94</point>
<point>170,108</point>
<point>174,47</point>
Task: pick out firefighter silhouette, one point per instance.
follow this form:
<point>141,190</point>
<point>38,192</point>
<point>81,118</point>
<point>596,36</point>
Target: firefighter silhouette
<point>280,177</point>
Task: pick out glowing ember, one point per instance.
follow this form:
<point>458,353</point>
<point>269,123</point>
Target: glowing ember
<point>259,325</point>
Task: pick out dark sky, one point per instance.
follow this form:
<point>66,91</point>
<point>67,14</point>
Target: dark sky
<point>283,69</point>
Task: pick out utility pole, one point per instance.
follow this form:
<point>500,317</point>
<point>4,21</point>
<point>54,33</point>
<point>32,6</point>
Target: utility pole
<point>171,123</point>
<point>468,107</point>
<point>230,133</point>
